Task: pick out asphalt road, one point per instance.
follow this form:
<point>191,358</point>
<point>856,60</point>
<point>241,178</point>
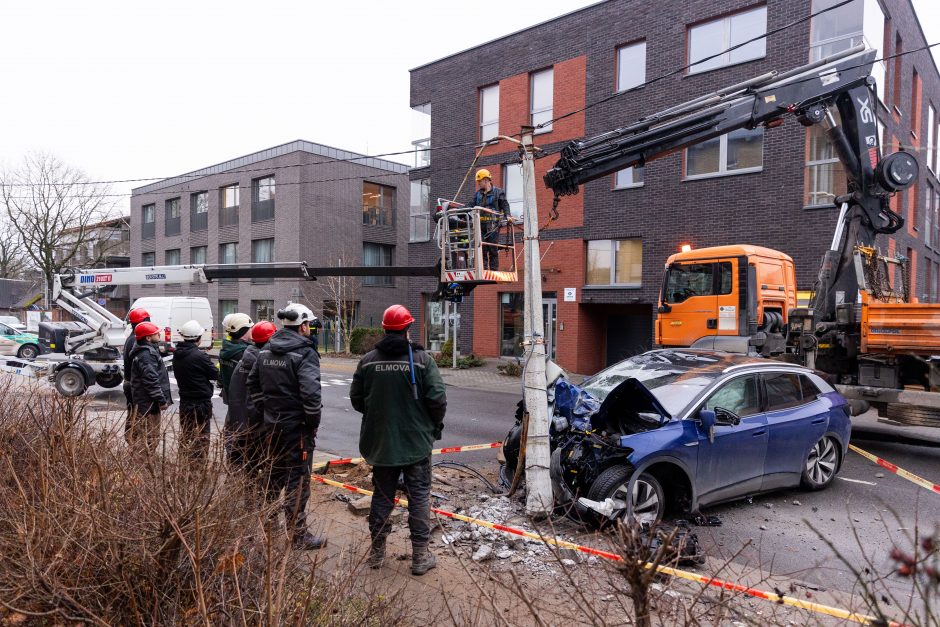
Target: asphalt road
<point>863,513</point>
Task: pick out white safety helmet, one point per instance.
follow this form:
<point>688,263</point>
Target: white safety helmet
<point>235,321</point>
<point>192,330</point>
<point>295,315</point>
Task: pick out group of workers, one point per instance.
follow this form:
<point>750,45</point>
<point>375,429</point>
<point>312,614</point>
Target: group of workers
<point>270,380</point>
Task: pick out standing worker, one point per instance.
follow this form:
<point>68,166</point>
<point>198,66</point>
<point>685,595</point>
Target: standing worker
<point>244,417</point>
<point>235,326</point>
<point>150,388</point>
<point>285,381</point>
<point>196,377</point>
<point>401,396</point>
<point>494,199</point>
<point>135,317</point>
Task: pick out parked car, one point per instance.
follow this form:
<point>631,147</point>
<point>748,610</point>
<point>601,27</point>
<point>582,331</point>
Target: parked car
<point>13,321</point>
<point>680,429</point>
<point>171,312</point>
<point>19,343</point>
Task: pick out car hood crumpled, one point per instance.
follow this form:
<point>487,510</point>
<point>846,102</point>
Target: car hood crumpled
<point>585,412</point>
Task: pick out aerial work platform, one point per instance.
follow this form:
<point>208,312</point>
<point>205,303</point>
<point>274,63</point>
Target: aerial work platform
<point>467,256</point>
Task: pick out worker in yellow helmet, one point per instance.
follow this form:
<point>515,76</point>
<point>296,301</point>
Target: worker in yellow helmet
<point>493,198</point>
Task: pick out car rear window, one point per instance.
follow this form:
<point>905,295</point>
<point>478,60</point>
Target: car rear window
<point>783,390</point>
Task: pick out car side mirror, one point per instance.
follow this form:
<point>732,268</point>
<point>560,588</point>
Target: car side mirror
<point>726,417</point>
<point>708,419</point>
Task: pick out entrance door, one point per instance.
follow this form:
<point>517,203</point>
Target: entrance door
<point>549,313</point>
<point>629,334</point>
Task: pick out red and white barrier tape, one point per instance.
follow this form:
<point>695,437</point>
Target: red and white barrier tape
<point>438,451</point>
<point>666,570</point>
<point>927,485</point>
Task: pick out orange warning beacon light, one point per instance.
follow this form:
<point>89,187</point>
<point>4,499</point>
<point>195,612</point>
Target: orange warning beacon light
<point>686,248</point>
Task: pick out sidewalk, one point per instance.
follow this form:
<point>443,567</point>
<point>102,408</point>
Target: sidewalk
<point>485,377</point>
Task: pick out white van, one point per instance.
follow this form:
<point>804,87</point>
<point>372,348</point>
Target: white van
<point>171,312</point>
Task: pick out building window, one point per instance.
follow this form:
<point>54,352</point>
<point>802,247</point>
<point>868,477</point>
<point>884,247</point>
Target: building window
<point>377,255</point>
<point>931,138</point>
<point>228,252</point>
<point>421,131</point>
<point>514,188</point>
<point>199,211</point>
<point>172,257</point>
<point>631,66</point>
<point>148,215</point>
<point>148,260</point>
<point>825,176</point>
<point>541,88</point>
<point>489,112</point>
<point>378,204</point>
<point>629,177</point>
<point>262,199</point>
<point>419,218</point>
<point>712,38</point>
<point>511,323</point>
<point>736,152</point>
<point>226,307</point>
<point>915,103</point>
<point>615,262</point>
<point>228,199</point>
<point>262,251</point>
<point>914,196</point>
<point>861,21</point>
<point>263,310</point>
<point>898,65</point>
<point>172,217</point>
<point>197,255</point>
<point>928,216</point>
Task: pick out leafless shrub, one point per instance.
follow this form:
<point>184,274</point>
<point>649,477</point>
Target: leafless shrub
<point>92,533</point>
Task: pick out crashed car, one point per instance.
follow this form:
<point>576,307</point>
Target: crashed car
<point>679,429</point>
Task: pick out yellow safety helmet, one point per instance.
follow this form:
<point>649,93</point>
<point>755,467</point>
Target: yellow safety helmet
<point>483,173</point>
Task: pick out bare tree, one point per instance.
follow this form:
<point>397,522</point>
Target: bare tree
<point>13,260</point>
<point>341,297</point>
<point>54,209</point>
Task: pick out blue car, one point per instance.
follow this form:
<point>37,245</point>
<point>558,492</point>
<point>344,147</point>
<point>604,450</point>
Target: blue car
<point>680,429</point>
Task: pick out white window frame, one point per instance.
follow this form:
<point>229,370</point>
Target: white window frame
<point>639,45</point>
<point>515,198</point>
<point>420,213</point>
<point>632,170</point>
<point>931,138</point>
<point>540,109</point>
<point>725,58</point>
<point>612,251</point>
<point>421,130</point>
<point>489,126</point>
<point>723,162</point>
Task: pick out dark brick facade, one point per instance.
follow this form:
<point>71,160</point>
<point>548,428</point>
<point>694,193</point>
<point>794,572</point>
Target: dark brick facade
<point>764,208</point>
<point>317,218</point>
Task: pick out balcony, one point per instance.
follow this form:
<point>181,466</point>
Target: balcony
<point>262,210</point>
<point>148,230</point>
<point>172,226</point>
<point>228,216</point>
<point>199,221</point>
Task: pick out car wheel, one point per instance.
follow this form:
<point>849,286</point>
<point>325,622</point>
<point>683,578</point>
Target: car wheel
<point>821,465</point>
<point>70,382</point>
<point>649,500</point>
<point>28,351</point>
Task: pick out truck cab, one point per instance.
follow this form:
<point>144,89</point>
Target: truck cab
<point>734,298</point>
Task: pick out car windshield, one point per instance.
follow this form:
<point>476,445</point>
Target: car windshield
<point>673,383</point>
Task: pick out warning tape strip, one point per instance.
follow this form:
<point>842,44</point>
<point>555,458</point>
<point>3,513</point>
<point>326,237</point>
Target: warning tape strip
<point>927,485</point>
<point>438,451</point>
<point>666,570</point>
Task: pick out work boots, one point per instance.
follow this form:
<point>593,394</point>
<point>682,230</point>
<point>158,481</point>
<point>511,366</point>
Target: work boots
<point>376,553</point>
<point>308,542</point>
<point>422,560</point>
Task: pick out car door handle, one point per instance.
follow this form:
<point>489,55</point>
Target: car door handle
<point>819,421</point>
<point>757,433</point>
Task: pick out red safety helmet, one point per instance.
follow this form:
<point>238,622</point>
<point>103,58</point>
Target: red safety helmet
<point>138,315</point>
<point>262,332</point>
<point>145,329</point>
<point>396,318</point>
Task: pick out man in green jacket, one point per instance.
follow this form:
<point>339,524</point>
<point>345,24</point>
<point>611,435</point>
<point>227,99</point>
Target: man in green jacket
<point>236,327</point>
<point>400,393</point>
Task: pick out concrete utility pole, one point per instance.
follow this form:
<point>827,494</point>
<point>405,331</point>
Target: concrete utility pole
<point>538,453</point>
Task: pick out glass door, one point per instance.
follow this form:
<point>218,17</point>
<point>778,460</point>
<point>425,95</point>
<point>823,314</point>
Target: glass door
<point>549,314</point>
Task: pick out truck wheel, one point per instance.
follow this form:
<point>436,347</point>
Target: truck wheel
<point>70,382</point>
<point>109,380</point>
<point>28,351</point>
<point>913,415</point>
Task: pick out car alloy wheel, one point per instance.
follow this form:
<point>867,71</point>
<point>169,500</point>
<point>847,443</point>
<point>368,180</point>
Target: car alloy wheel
<point>821,463</point>
<point>28,351</point>
<point>647,495</point>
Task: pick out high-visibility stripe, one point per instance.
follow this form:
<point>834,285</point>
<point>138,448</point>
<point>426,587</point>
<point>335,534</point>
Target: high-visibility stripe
<point>927,485</point>
<point>666,570</point>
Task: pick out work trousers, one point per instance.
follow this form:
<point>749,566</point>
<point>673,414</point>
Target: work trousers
<point>491,253</point>
<point>195,428</point>
<point>418,488</point>
<point>142,429</point>
<point>289,457</point>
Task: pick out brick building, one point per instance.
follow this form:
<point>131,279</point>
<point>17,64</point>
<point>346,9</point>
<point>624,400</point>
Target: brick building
<point>300,201</point>
<point>772,188</point>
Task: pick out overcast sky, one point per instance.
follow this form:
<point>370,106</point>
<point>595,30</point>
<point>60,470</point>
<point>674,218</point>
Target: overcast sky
<point>129,90</point>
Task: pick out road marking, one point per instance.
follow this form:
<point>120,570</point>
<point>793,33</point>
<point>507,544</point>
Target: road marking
<point>927,485</point>
<point>858,481</point>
